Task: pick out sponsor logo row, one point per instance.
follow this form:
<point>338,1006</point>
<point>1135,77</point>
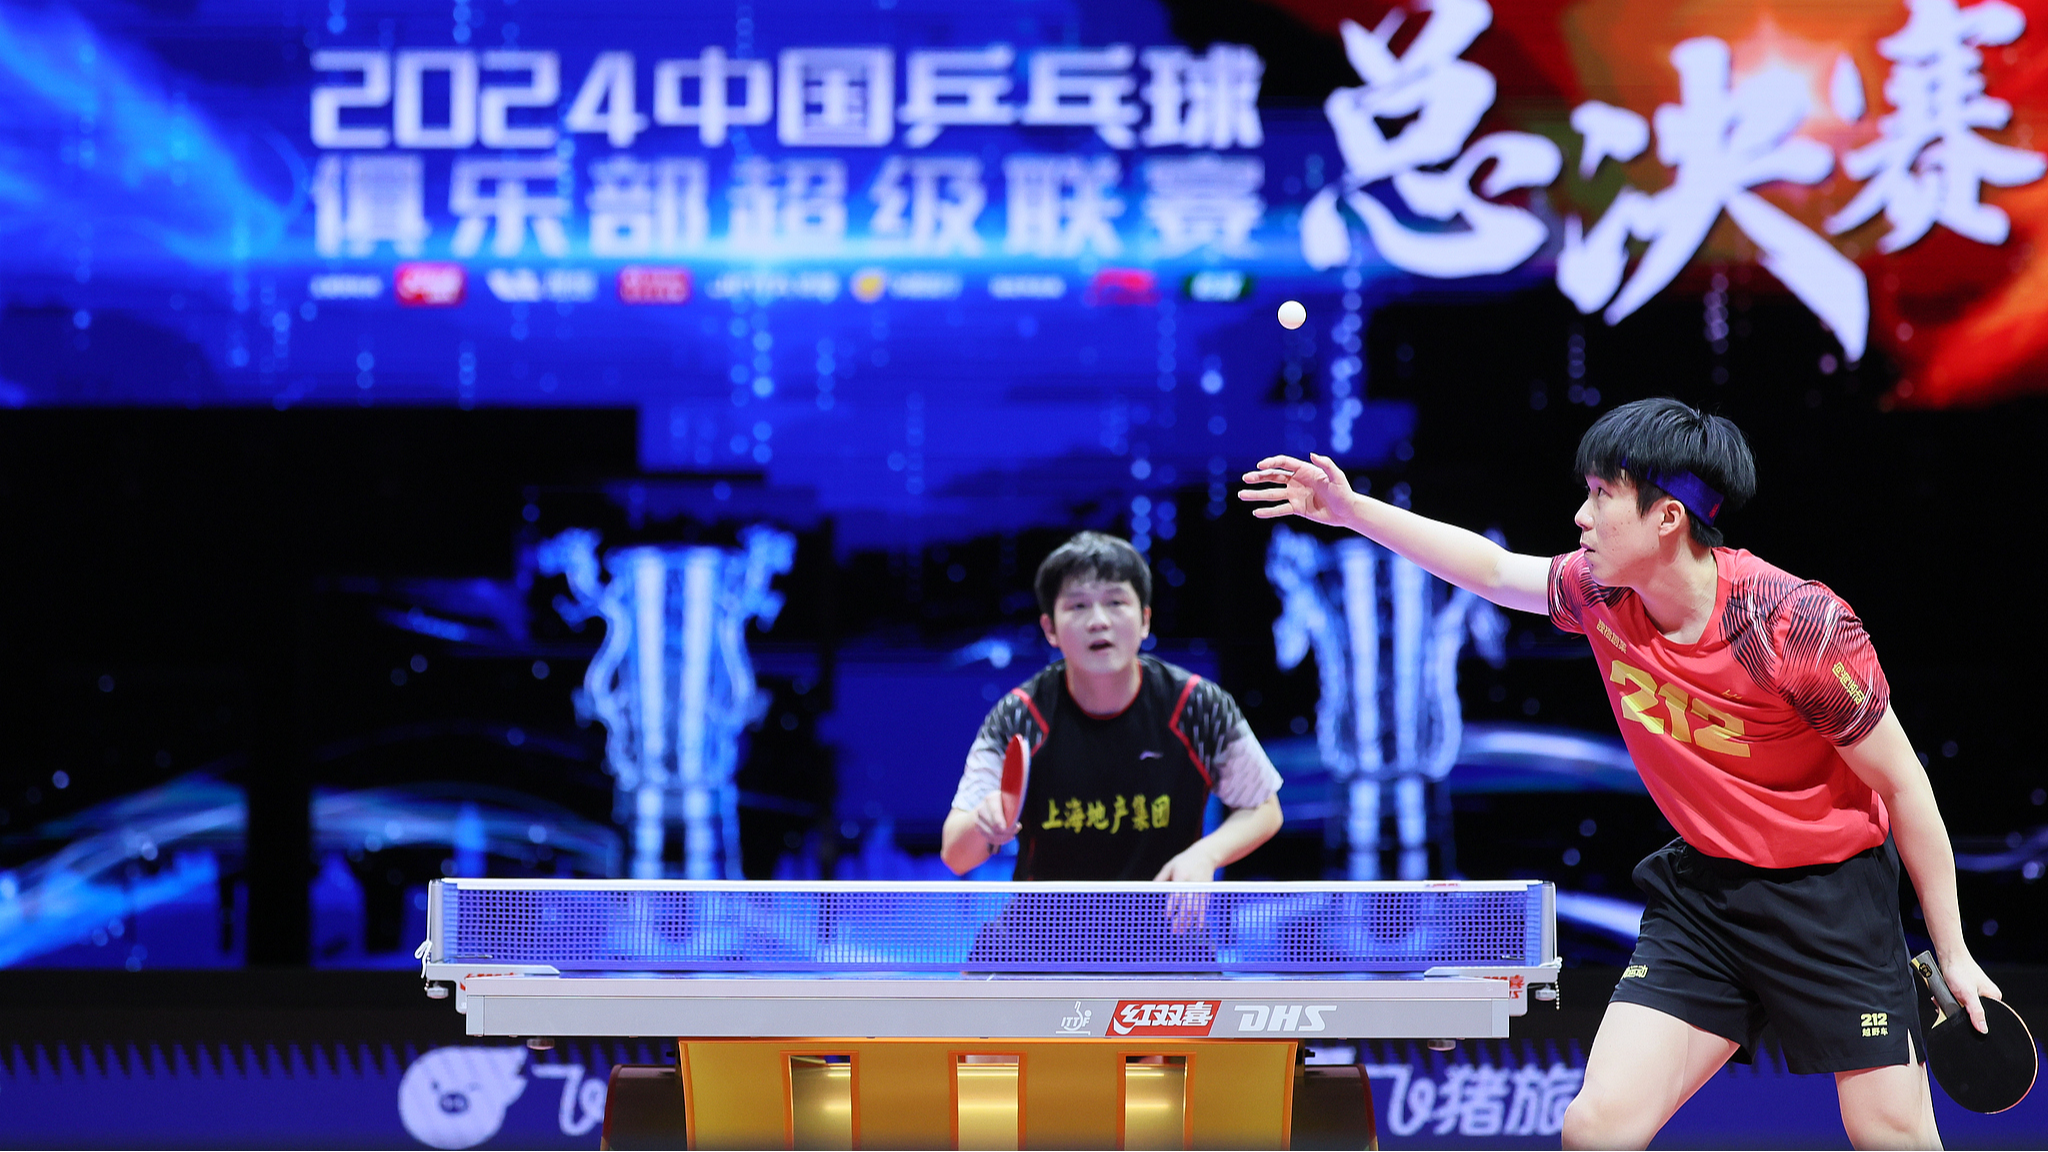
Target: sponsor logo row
<point>1198,1017</point>
<point>430,284</point>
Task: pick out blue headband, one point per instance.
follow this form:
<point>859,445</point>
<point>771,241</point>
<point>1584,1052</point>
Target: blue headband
<point>1700,500</point>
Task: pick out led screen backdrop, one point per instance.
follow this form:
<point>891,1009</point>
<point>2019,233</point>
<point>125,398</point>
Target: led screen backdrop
<point>885,253</point>
<point>892,251</point>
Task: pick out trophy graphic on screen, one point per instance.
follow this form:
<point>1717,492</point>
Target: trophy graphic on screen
<point>1386,641</point>
<point>672,682</point>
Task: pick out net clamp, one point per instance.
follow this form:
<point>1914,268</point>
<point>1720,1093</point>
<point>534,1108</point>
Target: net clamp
<point>440,975</point>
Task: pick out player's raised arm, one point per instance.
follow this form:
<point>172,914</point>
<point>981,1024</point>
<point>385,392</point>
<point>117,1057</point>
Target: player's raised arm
<point>1316,489</point>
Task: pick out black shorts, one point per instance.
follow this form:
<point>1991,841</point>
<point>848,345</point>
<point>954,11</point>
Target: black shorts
<point>1818,953</point>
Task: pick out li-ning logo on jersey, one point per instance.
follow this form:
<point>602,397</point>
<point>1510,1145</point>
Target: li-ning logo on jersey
<point>1877,1024</point>
<point>1849,682</point>
<point>1609,633</point>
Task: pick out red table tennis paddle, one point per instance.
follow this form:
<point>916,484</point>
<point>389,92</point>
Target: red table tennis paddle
<point>1016,774</point>
<point>1983,1071</point>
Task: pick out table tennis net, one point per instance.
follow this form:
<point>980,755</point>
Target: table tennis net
<point>832,928</point>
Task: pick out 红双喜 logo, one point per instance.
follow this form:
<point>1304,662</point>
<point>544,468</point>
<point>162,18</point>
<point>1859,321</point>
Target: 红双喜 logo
<point>1163,1017</point>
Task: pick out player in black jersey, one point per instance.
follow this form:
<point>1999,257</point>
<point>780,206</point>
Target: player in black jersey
<point>1125,749</point>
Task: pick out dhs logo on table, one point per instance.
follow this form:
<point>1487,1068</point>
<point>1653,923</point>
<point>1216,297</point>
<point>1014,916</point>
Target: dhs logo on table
<point>1281,1017</point>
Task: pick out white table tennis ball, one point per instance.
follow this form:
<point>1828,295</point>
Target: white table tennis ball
<point>1293,315</point>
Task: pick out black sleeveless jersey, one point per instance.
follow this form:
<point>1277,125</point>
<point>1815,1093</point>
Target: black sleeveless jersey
<point>1116,797</point>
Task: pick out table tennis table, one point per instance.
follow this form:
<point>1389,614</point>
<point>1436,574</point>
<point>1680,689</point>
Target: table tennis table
<point>1012,1015</point>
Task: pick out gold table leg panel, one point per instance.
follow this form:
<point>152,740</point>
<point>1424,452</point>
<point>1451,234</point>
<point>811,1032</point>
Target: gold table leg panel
<point>1155,1103</point>
<point>737,1093</point>
<point>908,1094</point>
<point>904,1095</point>
<point>986,1103</point>
<point>1240,1094</point>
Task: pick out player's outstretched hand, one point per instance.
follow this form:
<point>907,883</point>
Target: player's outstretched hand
<point>989,822</point>
<point>1970,985</point>
<point>1313,489</point>
<point>1195,865</point>
<point>1185,910</point>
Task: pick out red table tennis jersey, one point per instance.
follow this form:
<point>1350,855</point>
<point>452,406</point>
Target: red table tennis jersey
<point>1737,736</point>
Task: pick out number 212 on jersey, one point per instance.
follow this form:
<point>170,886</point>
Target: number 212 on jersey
<point>1682,712</point>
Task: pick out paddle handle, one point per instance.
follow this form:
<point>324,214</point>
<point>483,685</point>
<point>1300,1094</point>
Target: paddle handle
<point>1930,971</point>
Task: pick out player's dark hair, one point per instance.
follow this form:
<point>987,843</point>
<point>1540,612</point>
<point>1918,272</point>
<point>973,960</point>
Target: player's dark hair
<point>1097,556</point>
<point>1665,438</point>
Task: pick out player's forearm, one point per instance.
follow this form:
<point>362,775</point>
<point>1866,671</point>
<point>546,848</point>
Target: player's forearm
<point>1922,840</point>
<point>961,844</point>
<point>1453,554</point>
<point>1242,831</point>
<point>1884,759</point>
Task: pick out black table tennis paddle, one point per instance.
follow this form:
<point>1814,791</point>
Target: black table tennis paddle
<point>1983,1071</point>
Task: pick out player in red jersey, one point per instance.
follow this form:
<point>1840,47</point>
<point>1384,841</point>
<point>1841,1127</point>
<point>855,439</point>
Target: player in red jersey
<point>1762,725</point>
